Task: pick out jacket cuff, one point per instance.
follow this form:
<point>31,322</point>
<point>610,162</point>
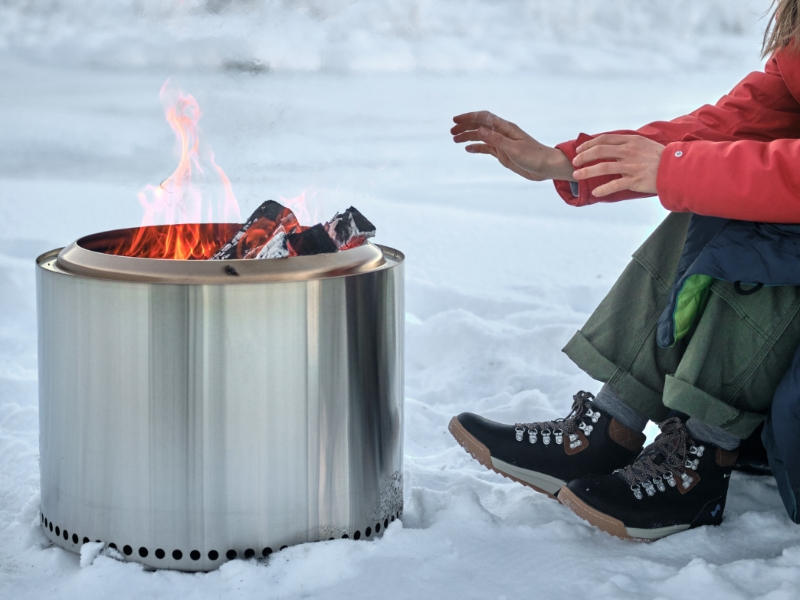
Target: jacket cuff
<point>572,192</point>
<point>568,192</point>
<point>584,196</point>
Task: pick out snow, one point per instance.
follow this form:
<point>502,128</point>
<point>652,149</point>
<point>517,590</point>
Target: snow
<point>384,35</point>
<point>355,109</point>
<point>90,551</point>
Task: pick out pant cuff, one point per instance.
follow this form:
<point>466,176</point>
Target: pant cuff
<point>637,395</point>
<point>693,401</point>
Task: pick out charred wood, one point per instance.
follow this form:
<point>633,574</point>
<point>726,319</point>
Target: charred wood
<point>314,240</point>
<point>257,231</point>
<point>350,229</point>
<point>272,231</point>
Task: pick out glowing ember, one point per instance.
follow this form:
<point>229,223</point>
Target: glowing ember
<point>273,231</point>
<point>197,192</point>
<point>268,220</point>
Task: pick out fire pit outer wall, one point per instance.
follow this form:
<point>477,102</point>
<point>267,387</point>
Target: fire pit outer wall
<point>192,412</point>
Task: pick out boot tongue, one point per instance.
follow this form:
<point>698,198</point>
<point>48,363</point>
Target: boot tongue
<point>569,424</point>
<point>664,455</point>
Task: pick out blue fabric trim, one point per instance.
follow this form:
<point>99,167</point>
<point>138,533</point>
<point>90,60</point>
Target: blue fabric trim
<point>576,188</point>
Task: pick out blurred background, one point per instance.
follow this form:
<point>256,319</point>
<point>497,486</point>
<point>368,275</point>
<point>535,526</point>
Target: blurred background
<point>383,36</point>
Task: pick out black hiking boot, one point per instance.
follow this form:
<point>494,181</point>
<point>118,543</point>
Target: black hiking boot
<point>673,485</point>
<point>547,455</point>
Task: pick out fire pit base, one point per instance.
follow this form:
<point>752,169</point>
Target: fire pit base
<point>207,559</point>
<point>219,417</point>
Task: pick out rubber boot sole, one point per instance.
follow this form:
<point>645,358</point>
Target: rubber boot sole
<point>611,525</point>
<point>536,481</point>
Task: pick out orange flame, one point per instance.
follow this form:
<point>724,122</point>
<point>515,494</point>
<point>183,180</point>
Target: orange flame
<point>179,201</point>
<point>299,206</point>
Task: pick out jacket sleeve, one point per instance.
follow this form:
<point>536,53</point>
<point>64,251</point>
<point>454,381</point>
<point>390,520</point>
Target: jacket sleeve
<point>759,109</point>
<point>747,180</point>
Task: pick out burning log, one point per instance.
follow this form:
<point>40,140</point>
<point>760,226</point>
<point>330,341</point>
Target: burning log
<point>258,230</point>
<point>276,247</point>
<point>314,240</point>
<point>350,229</point>
<point>273,231</point>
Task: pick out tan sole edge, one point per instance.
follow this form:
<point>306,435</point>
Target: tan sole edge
<point>481,453</point>
<point>594,517</point>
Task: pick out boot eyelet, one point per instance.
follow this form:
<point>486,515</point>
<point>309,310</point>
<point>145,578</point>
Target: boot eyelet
<point>559,434</point>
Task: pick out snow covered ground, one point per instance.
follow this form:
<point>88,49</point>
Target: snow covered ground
<point>499,274</point>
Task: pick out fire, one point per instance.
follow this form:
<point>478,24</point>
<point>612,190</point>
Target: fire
<point>299,206</point>
<point>185,200</point>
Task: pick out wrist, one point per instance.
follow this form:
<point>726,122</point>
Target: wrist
<point>558,165</point>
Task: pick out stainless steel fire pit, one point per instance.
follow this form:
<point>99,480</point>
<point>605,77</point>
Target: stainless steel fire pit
<point>193,412</point>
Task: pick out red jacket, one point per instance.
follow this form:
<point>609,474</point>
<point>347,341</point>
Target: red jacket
<point>738,159</point>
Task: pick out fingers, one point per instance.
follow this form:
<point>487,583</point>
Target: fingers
<point>481,149</point>
<point>480,116</point>
<point>601,152</point>
<point>482,134</point>
<point>467,136</point>
<point>462,127</point>
<point>635,157</point>
<point>607,139</point>
<point>605,168</point>
<point>484,118</point>
<point>612,187</point>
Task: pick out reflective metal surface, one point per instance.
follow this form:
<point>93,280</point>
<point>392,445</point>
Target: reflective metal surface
<point>198,421</point>
<point>85,257</point>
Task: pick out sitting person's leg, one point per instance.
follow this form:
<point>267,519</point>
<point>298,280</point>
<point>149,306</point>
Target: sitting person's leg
<point>616,346</point>
<point>723,376</point>
<point>737,355</point>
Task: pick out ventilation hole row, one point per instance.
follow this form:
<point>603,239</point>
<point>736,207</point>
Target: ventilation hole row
<point>368,530</point>
<point>195,554</point>
<point>63,532</point>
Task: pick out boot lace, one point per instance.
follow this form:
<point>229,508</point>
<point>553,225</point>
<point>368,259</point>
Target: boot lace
<point>668,457</point>
<point>569,425</point>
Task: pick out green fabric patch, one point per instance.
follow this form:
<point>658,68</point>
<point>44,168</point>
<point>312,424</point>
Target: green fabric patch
<point>690,303</point>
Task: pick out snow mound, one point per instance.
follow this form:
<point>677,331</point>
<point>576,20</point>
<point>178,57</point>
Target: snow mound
<point>89,552</point>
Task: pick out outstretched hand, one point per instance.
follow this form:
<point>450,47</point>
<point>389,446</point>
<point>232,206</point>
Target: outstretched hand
<point>509,144</point>
<point>634,157</point>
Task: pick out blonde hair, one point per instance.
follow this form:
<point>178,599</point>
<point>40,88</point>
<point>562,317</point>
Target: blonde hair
<point>783,28</point>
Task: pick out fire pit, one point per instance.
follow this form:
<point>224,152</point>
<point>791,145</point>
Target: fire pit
<point>196,411</point>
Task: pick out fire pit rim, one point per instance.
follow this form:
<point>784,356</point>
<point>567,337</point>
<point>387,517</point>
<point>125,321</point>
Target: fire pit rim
<point>76,260</point>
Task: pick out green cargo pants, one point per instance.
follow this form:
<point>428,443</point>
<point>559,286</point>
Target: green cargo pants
<point>724,372</point>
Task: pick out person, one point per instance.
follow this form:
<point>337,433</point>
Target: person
<point>701,330</point>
